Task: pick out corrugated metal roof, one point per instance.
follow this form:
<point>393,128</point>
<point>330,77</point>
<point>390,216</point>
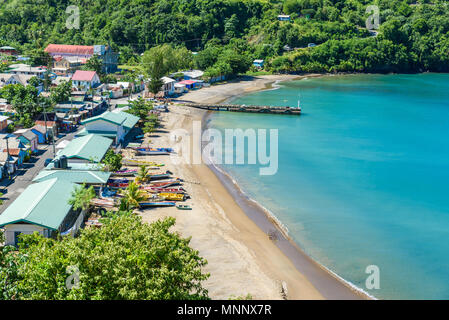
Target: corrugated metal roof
<point>91,147</point>
<point>81,75</point>
<point>120,118</point>
<point>69,49</point>
<point>75,176</point>
<point>44,204</point>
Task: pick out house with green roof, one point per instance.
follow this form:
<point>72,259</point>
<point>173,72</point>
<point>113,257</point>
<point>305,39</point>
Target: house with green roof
<point>90,148</point>
<point>114,125</point>
<point>42,207</point>
<point>75,176</point>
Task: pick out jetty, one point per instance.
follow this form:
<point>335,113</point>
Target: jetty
<point>244,108</point>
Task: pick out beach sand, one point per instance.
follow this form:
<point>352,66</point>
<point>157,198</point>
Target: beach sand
<point>242,259</point>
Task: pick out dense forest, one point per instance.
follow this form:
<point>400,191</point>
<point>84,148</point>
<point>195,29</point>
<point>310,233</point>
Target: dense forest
<point>413,36</point>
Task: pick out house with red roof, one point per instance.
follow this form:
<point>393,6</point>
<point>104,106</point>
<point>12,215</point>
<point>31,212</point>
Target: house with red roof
<point>85,80</point>
<point>104,53</point>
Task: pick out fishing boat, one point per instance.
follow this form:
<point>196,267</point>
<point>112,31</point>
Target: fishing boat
<point>172,196</point>
<point>136,163</point>
<point>183,207</point>
<point>162,190</point>
<point>153,151</point>
<point>104,203</point>
<point>161,184</point>
<point>118,183</point>
<point>157,204</point>
<point>125,173</point>
<point>165,184</point>
<point>107,193</point>
<point>159,176</point>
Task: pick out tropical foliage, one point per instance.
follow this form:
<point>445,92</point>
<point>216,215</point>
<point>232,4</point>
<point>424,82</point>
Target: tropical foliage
<point>112,160</point>
<point>81,197</point>
<point>229,34</point>
<point>125,259</point>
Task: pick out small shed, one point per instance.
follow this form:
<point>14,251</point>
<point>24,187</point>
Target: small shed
<point>39,131</point>
<point>258,63</point>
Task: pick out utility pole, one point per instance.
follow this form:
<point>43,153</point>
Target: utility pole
<point>7,157</point>
<point>46,131</point>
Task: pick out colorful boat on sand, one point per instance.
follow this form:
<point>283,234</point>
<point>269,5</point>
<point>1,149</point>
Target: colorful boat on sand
<point>125,173</point>
<point>169,190</point>
<point>153,151</point>
<point>107,193</point>
<point>161,184</point>
<point>183,207</point>
<point>157,204</point>
<point>172,196</point>
<point>118,183</point>
<point>103,203</point>
<point>134,162</point>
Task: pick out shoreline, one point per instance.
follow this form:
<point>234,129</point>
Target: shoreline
<point>233,232</point>
<point>319,275</point>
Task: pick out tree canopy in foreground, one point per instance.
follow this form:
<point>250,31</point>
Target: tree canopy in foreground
<point>124,259</point>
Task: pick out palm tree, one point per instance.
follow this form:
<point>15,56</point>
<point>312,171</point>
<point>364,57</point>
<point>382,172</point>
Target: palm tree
<point>132,196</point>
<point>142,175</point>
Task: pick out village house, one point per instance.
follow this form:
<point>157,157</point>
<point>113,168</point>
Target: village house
<point>169,86</point>
<point>283,17</point>
<point>11,163</point>
<point>52,127</point>
<point>85,80</point>
<point>8,78</point>
<point>8,51</point>
<point>258,63</point>
<point>40,132</point>
<point>67,65</point>
<point>3,123</point>
<point>90,148</point>
<point>104,53</point>
<point>24,69</point>
<point>28,138</point>
<point>114,125</point>
<point>15,147</point>
<point>88,177</point>
<point>44,208</point>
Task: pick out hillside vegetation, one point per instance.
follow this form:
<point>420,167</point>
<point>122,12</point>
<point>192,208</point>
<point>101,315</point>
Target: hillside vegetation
<point>229,34</point>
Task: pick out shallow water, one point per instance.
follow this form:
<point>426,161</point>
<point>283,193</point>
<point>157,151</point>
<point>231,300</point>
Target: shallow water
<point>362,176</point>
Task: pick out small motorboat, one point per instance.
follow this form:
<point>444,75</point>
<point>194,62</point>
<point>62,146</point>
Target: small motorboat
<point>183,207</point>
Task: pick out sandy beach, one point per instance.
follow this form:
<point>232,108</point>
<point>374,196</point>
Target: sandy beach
<point>229,233</point>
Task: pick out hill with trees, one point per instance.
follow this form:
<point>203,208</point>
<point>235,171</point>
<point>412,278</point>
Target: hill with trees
<point>229,34</point>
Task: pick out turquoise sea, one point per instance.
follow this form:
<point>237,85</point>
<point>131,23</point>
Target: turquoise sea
<point>363,176</point>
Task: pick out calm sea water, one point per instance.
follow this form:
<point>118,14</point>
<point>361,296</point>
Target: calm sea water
<point>363,176</point>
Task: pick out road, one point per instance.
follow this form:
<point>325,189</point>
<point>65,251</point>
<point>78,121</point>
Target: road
<point>24,176</point>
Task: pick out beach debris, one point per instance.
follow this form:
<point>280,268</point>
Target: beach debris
<point>273,235</point>
<point>284,290</point>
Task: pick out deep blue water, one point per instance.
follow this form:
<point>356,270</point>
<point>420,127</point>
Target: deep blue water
<point>363,176</point>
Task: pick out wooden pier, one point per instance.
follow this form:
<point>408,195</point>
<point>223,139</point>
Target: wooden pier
<point>244,108</point>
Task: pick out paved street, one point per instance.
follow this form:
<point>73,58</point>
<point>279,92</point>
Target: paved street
<point>23,177</point>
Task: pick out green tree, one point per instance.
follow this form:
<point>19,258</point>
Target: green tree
<point>126,259</point>
<point>81,197</point>
<point>132,196</point>
<point>94,64</point>
<point>61,93</point>
<point>143,175</point>
<point>112,160</point>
